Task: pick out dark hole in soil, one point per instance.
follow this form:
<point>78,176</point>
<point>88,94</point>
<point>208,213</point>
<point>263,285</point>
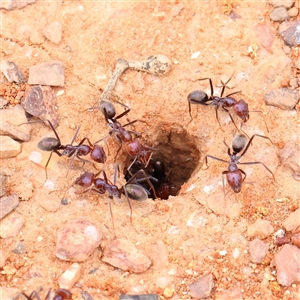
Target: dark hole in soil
<point>172,164</point>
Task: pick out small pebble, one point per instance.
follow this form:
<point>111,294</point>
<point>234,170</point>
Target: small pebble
<point>260,229</point>
<point>257,250</point>
<point>50,73</point>
<point>7,204</point>
<point>290,32</point>
<point>168,293</point>
<point>296,240</point>
<point>53,32</point>
<point>35,157</point>
<point>290,158</point>
<point>202,287</point>
<point>287,262</point>
<point>279,14</point>
<point>68,279</point>
<point>12,72</point>
<point>19,248</point>
<point>286,3</point>
<point>9,147</point>
<point>76,240</point>
<point>11,225</point>
<point>283,98</point>
<point>292,222</point>
<point>230,294</point>
<point>123,254</point>
<point>293,12</point>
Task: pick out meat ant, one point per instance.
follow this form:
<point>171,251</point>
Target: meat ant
<point>91,181</point>
<point>54,145</point>
<point>240,107</point>
<point>60,294</point>
<point>133,146</point>
<point>234,175</point>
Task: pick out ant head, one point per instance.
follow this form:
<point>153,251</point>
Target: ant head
<point>49,144</point>
<point>241,110</point>
<point>198,97</point>
<point>239,143</point>
<point>136,192</point>
<point>85,180</point>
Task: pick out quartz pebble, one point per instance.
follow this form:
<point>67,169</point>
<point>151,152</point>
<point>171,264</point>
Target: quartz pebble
<point>123,254</point>
<point>70,276</point>
<point>53,32</point>
<point>202,287</point>
<point>76,240</point>
<point>257,250</point>
<point>9,147</point>
<point>287,262</point>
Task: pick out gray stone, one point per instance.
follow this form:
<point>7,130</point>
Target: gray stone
<point>12,4</point>
<point>290,32</point>
<point>283,98</point>
<point>202,287</point>
<point>287,262</point>
<point>12,72</point>
<point>260,229</point>
<point>7,204</point>
<point>48,73</point>
<point>18,248</point>
<point>123,254</point>
<point>257,250</point>
<point>286,3</point>
<point>10,123</point>
<point>53,32</point>
<point>40,101</point>
<point>76,240</point>
<point>290,158</point>
<point>279,14</point>
<point>9,147</point>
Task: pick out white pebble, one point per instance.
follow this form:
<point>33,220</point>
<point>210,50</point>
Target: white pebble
<point>195,55</point>
<point>49,184</point>
<point>223,252</point>
<point>235,253</point>
<point>35,157</point>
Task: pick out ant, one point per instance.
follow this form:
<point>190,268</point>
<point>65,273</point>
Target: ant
<point>60,294</point>
<point>234,175</point>
<point>54,145</point>
<point>133,146</point>
<point>91,181</point>
<point>239,107</point>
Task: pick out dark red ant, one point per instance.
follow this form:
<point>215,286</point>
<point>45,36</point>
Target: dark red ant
<point>133,146</point>
<point>239,107</point>
<point>60,294</point>
<point>234,175</point>
<point>96,152</point>
<point>91,181</point>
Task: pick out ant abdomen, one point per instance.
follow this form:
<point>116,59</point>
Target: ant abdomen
<point>198,97</point>
<point>136,192</point>
<point>48,144</point>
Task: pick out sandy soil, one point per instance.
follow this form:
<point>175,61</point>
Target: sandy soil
<point>95,35</point>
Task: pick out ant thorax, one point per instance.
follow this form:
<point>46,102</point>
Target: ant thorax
<point>232,167</point>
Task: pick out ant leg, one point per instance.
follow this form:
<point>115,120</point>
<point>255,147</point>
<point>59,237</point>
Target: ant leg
<point>258,111</point>
<point>122,114</point>
<point>52,127</point>
<point>258,162</point>
<point>250,141</point>
<point>128,169</point>
<point>55,151</point>
<point>228,148</point>
<point>233,93</point>
<point>217,116</point>
<point>239,129</point>
<point>213,157</point>
<point>130,123</point>
<point>75,135</point>
<point>129,204</point>
<point>118,152</point>
<point>211,85</point>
